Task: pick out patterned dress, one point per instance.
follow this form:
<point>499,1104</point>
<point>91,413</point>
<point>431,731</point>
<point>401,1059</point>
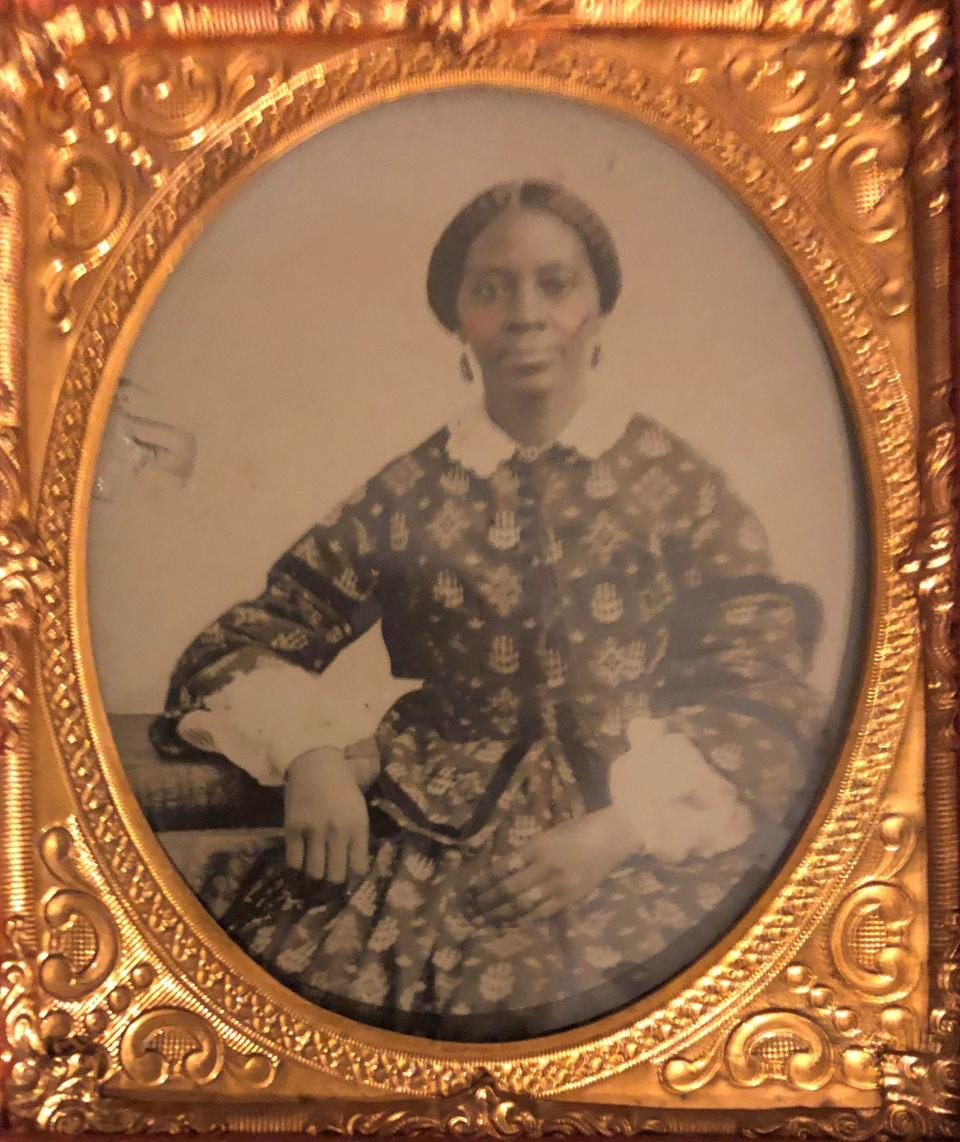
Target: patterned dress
<point>544,606</point>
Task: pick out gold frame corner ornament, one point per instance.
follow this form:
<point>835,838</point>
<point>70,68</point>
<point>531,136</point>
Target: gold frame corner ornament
<point>75,1029</point>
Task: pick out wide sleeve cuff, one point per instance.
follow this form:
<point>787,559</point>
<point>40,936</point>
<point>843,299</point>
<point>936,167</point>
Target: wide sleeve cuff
<point>676,804</point>
<point>264,719</point>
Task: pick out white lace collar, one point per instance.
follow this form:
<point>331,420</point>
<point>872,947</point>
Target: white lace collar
<point>481,445</point>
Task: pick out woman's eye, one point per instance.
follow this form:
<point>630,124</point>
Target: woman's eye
<point>556,287</point>
<point>485,292</point>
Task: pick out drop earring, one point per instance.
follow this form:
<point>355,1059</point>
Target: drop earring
<point>596,356</point>
<point>465,370</point>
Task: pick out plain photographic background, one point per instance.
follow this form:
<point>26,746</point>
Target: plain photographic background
<point>294,343</point>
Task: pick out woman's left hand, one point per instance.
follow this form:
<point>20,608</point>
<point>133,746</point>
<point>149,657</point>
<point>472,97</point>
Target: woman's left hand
<point>554,870</point>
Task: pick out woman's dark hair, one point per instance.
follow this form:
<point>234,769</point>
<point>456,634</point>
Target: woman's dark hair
<point>449,257</point>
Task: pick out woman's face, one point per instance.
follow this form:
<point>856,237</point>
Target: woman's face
<point>529,305</point>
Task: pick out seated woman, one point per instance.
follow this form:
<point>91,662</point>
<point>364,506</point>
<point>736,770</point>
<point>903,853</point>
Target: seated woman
<point>608,740</point>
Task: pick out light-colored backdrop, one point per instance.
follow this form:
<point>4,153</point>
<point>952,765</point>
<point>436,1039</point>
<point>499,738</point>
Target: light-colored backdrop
<point>294,342</point>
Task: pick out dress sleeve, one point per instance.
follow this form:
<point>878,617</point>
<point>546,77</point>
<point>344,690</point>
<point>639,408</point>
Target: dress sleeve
<point>731,697</point>
<point>245,686</point>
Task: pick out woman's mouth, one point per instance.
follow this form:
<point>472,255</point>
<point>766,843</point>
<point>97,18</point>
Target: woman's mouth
<point>529,368</point>
<point>526,362</point>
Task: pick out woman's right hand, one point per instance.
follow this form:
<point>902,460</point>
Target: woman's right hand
<point>326,823</point>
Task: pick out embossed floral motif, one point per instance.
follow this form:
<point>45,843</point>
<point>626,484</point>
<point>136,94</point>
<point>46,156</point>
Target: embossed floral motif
<point>502,589</point>
<point>604,538</point>
<point>654,443</point>
<point>447,590</point>
<point>504,657</point>
<point>384,935</point>
<point>403,476</point>
<point>655,489</point>
<point>399,532</point>
<point>496,982</point>
<point>601,483</point>
<point>617,662</point>
<point>455,481</point>
<point>554,668</point>
<point>371,984</point>
<point>289,640</point>
<point>448,524</point>
<point>348,584</point>
<point>307,548</point>
<point>504,532</point>
<point>606,605</point>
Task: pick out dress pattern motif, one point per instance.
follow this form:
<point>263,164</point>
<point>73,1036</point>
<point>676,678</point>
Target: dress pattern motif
<point>543,608</point>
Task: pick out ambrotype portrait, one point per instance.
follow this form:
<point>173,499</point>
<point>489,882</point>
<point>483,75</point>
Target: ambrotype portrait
<point>585,695</point>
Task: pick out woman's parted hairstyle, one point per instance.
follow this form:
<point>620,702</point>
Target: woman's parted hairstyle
<point>447,263</point>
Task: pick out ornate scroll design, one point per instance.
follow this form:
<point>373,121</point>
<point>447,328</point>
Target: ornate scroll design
<point>176,1048</point>
<point>892,1026</point>
<point>55,1080</point>
<point>306,99</point>
<point>864,177</point>
<point>825,17</point>
<point>82,942</point>
<point>803,95</point>
<point>781,87</point>
<point>90,207</point>
<point>61,1059</point>
<point>60,1092</point>
<point>928,100</point>
<point>460,23</point>
<point>898,41</point>
<point>466,24</point>
<point>868,942</point>
<point>21,579</point>
<point>771,1046</point>
<point>148,109</point>
<point>490,1113</point>
<point>869,931</point>
<point>898,834</point>
<point>922,1089</point>
<point>22,576</point>
<point>486,1110</point>
<point>173,102</point>
<point>779,1046</point>
<point>909,56</point>
<point>140,249</point>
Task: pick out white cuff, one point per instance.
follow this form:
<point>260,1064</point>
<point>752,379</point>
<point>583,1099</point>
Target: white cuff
<point>677,805</point>
<point>265,718</point>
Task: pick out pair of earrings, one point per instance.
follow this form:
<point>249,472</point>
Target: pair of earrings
<point>466,369</point>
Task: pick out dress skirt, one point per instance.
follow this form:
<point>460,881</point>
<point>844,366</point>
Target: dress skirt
<point>404,948</point>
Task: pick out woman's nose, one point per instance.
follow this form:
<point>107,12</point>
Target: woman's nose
<point>525,308</point>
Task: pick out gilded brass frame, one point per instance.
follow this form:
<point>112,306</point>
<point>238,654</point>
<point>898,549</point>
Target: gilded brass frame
<point>829,122</point>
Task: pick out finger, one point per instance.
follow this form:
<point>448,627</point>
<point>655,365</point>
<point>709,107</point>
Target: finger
<point>543,911</point>
<point>483,880</point>
<point>295,848</point>
<point>315,864</point>
<point>495,871</point>
<point>364,747</point>
<point>524,901</point>
<point>336,857</point>
<point>358,852</point>
<point>510,886</point>
<point>517,912</point>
